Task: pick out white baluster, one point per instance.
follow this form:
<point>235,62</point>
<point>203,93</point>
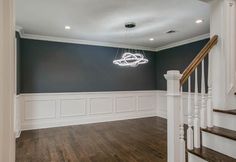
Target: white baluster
<point>203,100</point>
<point>182,141</point>
<point>209,98</point>
<point>190,124</point>
<point>196,115</point>
<point>209,107</point>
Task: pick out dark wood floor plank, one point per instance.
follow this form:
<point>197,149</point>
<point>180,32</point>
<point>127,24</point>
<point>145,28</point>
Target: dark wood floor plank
<point>138,140</point>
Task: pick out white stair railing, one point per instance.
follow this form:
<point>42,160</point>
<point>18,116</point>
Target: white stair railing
<point>202,114</point>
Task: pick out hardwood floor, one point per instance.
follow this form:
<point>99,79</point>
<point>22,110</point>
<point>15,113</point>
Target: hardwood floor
<point>137,140</point>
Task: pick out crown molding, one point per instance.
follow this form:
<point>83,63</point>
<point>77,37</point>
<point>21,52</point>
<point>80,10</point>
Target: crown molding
<point>106,44</point>
<point>20,30</point>
<point>187,41</point>
<point>78,41</point>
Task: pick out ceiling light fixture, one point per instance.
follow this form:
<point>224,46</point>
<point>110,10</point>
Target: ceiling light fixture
<point>130,57</point>
<point>67,27</point>
<point>151,39</point>
<point>199,21</point>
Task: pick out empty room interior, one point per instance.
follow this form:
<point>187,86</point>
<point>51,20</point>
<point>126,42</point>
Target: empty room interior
<point>122,81</point>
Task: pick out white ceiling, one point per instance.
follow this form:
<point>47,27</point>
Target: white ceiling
<point>103,20</point>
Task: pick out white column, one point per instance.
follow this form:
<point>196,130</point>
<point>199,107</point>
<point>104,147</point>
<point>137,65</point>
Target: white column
<point>7,32</point>
<point>196,124</point>
<point>173,116</point>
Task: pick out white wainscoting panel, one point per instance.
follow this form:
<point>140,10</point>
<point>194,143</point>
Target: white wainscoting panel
<point>72,107</point>
<point>162,104</point>
<point>45,110</point>
<point>40,109</point>
<point>101,105</point>
<point>125,104</point>
<point>147,102</point>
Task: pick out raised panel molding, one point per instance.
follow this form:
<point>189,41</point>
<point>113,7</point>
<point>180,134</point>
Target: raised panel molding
<point>125,104</point>
<point>72,107</point>
<point>39,109</point>
<point>45,110</point>
<point>147,102</point>
<point>61,109</point>
<point>101,105</point>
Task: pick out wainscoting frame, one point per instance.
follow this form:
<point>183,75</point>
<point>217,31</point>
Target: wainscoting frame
<point>88,107</point>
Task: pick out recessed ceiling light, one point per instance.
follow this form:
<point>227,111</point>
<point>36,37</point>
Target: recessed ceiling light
<point>151,39</point>
<point>67,27</point>
<point>199,21</point>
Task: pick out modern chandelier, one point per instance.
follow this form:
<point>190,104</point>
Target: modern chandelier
<point>130,57</point>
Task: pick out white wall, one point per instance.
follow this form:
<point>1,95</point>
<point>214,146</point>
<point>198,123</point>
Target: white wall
<point>7,140</point>
<point>222,57</point>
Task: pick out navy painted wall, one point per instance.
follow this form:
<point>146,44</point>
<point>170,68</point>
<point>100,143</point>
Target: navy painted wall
<point>63,67</point>
<point>45,66</point>
<point>178,58</point>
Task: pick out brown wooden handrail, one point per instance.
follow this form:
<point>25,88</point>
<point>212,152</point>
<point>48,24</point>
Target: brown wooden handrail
<point>198,59</point>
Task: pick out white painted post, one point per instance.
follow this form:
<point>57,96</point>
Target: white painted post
<point>196,115</point>
<point>190,122</point>
<point>173,118</point>
<point>203,99</point>
<point>181,134</point>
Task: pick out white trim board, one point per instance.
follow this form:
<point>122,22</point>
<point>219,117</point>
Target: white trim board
<point>107,44</point>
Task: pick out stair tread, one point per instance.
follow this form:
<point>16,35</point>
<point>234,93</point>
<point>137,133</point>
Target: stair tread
<point>221,132</point>
<point>232,112</point>
<point>211,155</point>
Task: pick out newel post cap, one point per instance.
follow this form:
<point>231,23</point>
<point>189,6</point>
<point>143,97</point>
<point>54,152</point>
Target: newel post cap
<point>173,75</point>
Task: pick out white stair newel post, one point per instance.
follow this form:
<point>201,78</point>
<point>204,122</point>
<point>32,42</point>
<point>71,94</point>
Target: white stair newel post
<point>182,141</point>
<point>190,124</point>
<point>173,117</point>
<point>203,99</point>
<point>196,114</point>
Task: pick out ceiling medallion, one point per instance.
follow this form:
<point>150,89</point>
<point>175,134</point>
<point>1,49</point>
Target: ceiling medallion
<point>129,57</point>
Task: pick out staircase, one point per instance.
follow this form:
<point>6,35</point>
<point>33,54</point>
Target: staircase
<point>218,142</point>
<point>211,133</point>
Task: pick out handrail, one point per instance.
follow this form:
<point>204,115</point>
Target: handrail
<point>198,59</point>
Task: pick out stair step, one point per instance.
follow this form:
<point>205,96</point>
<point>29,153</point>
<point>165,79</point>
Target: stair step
<point>225,119</point>
<point>232,112</point>
<point>211,155</point>
<point>221,132</point>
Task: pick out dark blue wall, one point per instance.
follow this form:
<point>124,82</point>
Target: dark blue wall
<point>63,67</point>
<point>178,58</point>
<point>45,66</point>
